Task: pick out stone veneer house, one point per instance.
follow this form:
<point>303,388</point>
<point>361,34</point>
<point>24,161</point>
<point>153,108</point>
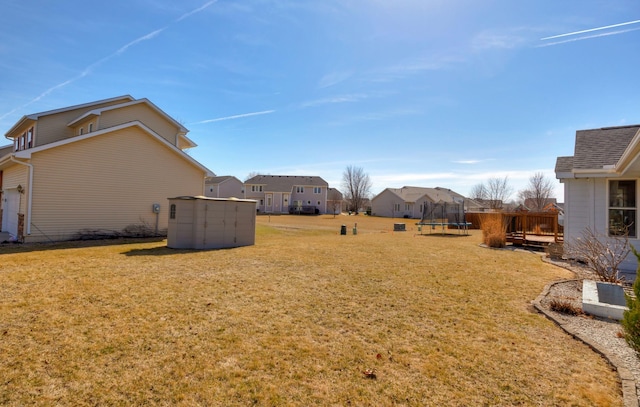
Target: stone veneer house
<point>601,184</point>
<point>98,168</point>
<point>288,193</point>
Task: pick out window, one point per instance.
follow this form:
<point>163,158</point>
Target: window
<point>622,208</point>
<point>256,188</point>
<point>319,203</point>
<point>172,211</point>
<point>300,190</point>
<point>23,141</point>
<point>30,137</point>
<point>81,131</point>
<point>90,127</point>
<point>317,190</point>
<point>396,207</point>
<point>407,207</point>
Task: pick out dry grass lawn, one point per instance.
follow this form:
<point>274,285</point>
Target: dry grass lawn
<point>304,317</point>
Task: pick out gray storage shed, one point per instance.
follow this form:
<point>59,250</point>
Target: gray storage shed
<point>198,222</point>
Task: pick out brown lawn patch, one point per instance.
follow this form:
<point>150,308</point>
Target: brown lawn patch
<point>297,319</point>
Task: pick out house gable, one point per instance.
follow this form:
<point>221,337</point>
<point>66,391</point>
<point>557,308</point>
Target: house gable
<point>51,125</point>
<point>604,152</point>
<point>104,179</point>
<point>55,125</point>
<point>102,187</point>
<point>601,185</point>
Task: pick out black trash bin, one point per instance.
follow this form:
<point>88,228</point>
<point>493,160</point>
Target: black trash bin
<point>343,230</point>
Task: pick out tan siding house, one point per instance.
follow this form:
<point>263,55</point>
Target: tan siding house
<point>106,181</point>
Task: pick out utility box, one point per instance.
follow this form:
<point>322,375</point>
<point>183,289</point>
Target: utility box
<point>198,222</point>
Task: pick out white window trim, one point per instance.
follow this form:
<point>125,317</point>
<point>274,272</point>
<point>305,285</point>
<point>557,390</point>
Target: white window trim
<point>609,207</point>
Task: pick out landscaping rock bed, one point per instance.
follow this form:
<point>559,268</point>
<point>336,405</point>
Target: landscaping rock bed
<point>603,335</point>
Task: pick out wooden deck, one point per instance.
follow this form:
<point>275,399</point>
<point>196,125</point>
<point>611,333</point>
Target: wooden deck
<point>522,239</point>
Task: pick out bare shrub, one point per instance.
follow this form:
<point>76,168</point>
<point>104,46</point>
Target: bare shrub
<point>564,307</point>
<point>602,254</point>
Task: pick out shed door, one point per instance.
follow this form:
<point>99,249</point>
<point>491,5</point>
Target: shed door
<point>10,208</point>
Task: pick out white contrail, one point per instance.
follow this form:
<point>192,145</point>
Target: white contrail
<point>199,9</point>
<point>121,50</point>
<point>590,30</point>
<point>548,44</point>
<point>237,116</point>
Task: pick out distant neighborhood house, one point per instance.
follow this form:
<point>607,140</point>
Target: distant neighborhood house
<point>335,201</point>
<point>226,186</point>
<point>410,202</point>
<point>294,194</point>
<point>601,184</point>
<point>104,167</point>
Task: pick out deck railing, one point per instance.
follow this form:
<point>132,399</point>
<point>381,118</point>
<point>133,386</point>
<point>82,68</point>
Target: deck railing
<point>521,224</point>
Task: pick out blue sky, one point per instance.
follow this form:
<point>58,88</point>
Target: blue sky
<point>416,92</point>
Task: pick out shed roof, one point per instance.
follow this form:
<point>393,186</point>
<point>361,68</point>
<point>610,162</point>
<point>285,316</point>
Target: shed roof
<point>208,198</point>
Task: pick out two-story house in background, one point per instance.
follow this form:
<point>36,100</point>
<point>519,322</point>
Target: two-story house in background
<point>225,186</point>
<point>288,193</point>
<point>100,168</point>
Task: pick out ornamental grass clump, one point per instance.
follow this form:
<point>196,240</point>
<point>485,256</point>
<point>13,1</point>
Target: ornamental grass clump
<point>493,230</point>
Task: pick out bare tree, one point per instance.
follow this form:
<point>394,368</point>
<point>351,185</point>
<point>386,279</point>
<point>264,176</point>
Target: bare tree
<point>357,186</point>
<point>494,192</point>
<point>498,190</point>
<point>537,194</point>
<point>478,192</point>
<point>334,198</point>
<point>251,175</point>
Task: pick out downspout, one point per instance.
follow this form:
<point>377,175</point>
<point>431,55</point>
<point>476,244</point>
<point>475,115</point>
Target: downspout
<point>30,190</point>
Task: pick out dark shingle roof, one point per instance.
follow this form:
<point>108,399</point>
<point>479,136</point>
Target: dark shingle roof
<point>284,183</point>
<point>600,147</point>
<point>564,164</point>
<point>218,179</point>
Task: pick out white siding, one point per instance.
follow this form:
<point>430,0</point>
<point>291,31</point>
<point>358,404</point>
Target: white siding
<point>578,207</point>
<point>586,205</point>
